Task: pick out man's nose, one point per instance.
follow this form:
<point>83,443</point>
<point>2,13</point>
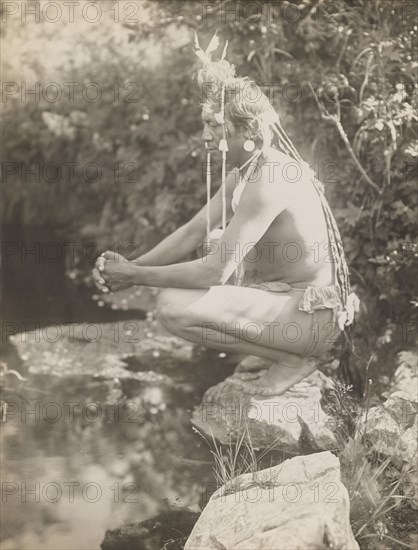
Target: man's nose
<point>206,135</point>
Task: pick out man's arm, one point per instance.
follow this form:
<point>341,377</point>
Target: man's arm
<point>187,238</point>
<point>259,205</point>
<point>174,247</point>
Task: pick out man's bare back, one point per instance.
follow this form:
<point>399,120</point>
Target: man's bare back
<point>295,248</point>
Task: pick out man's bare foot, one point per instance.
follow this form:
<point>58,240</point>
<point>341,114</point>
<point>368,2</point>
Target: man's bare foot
<point>253,363</point>
<point>277,380</point>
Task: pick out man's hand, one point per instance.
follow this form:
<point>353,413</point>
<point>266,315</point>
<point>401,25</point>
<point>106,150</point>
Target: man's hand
<point>115,270</point>
<point>99,267</point>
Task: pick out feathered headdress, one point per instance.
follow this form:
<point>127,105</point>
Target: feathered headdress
<point>213,75</point>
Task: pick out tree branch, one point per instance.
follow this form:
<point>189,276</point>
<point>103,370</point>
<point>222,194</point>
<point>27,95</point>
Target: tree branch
<point>335,120</point>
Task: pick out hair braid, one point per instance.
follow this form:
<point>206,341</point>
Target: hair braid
<point>349,373</point>
<point>342,273</point>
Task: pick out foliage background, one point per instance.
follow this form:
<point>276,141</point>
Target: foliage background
<point>341,74</point>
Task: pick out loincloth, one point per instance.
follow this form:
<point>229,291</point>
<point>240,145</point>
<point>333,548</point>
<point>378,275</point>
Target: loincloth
<point>313,299</point>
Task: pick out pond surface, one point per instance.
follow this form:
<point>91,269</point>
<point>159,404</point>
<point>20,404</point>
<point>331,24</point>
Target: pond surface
<point>83,453</point>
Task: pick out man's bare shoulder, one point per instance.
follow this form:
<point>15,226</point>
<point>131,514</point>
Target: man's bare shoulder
<point>284,171</point>
<point>274,156</point>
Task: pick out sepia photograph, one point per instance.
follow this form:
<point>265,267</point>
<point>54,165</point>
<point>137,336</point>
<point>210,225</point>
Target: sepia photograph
<point>209,275</point>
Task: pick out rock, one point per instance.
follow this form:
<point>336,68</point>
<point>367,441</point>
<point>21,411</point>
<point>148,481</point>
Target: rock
<point>406,375</point>
<point>381,430</point>
<point>392,431</point>
<point>299,504</point>
<point>409,441</point>
<point>391,428</point>
<point>401,408</point>
<point>293,421</point>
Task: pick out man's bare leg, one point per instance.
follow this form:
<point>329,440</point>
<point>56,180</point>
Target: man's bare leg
<point>243,321</point>
<point>283,370</point>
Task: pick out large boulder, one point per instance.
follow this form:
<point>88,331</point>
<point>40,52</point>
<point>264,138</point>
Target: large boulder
<point>293,421</point>
<point>299,504</point>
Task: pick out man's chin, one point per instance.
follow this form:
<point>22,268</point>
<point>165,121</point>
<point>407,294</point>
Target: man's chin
<point>217,155</point>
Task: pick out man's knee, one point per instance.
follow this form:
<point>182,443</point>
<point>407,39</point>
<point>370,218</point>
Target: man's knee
<point>168,312</point>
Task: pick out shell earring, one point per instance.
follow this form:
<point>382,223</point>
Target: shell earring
<point>249,145</point>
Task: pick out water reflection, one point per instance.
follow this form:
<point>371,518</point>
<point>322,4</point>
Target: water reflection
<point>83,453</point>
<point>90,455</point>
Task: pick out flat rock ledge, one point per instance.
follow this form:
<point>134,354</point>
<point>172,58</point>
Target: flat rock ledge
<point>299,504</point>
<point>97,349</point>
<point>293,421</point>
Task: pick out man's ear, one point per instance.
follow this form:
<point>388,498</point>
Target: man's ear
<point>231,128</point>
<point>250,129</point>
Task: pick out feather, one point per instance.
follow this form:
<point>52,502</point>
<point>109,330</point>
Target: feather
<point>224,52</point>
<point>196,41</point>
<point>213,44</point>
<point>202,56</point>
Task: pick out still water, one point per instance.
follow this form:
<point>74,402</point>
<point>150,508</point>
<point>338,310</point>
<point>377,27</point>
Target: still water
<point>85,453</point>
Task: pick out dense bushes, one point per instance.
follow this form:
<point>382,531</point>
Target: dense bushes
<point>342,76</point>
